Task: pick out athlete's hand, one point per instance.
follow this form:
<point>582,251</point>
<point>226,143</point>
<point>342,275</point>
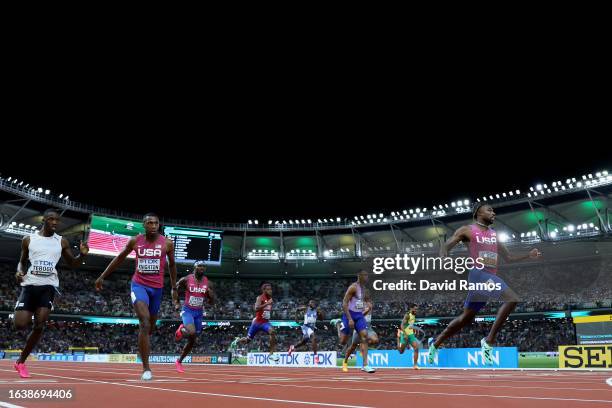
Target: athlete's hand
<point>535,253</point>
<point>19,276</point>
<point>99,284</point>
<point>351,324</point>
<point>269,302</point>
<point>84,248</point>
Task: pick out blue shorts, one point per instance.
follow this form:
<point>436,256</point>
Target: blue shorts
<point>193,316</point>
<point>151,296</point>
<point>358,318</point>
<point>257,327</point>
<point>476,299</point>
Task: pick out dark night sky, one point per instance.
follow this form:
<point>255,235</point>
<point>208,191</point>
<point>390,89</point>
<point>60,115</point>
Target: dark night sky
<point>324,145</point>
<point>343,182</point>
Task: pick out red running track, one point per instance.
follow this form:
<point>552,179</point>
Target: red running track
<point>118,385</point>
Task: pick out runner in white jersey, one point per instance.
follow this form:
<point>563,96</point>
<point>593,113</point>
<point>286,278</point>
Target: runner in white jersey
<point>356,340</point>
<point>311,314</point>
<point>39,282</point>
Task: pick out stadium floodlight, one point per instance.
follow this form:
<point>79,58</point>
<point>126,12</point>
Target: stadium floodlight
<point>256,222</point>
<point>401,217</point>
<point>28,226</point>
<point>379,215</point>
<point>591,225</point>
<point>522,234</point>
<point>67,198</point>
<point>404,212</point>
<point>579,184</point>
<point>13,223</point>
<point>571,228</point>
<point>9,179</point>
<point>291,222</point>
<point>15,181</point>
<point>250,222</point>
<point>503,237</point>
<point>309,221</point>
<point>453,204</point>
<point>319,220</point>
<point>21,224</point>
<point>466,202</point>
<point>297,221</point>
<point>338,219</point>
<point>548,190</point>
<point>47,192</point>
<point>359,222</point>
<point>269,222</point>
<point>590,176</point>
<point>496,195</point>
<point>414,215</point>
<point>598,174</point>
<point>504,195</point>
<point>61,195</point>
<point>411,211</point>
<point>539,187</point>
<point>553,234</point>
<point>33,227</point>
<point>446,205</point>
<point>303,222</point>
<point>529,195</point>
<point>40,190</point>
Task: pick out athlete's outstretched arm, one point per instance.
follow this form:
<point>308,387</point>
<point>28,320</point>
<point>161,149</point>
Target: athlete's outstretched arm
<point>181,284</point>
<point>172,268</point>
<point>129,247</point>
<point>69,258</point>
<point>404,322</point>
<point>350,292</point>
<point>508,258</point>
<point>22,266</point>
<point>461,235</point>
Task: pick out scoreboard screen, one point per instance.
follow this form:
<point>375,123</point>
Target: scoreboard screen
<point>108,236</point>
<point>195,244</point>
<point>594,329</point>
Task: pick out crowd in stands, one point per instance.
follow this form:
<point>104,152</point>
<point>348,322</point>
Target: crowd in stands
<point>538,289</point>
<point>527,335</point>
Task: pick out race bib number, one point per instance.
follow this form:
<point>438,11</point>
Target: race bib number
<point>42,268</point>
<point>489,259</point>
<point>266,314</point>
<point>196,301</point>
<point>148,266</point>
<point>359,305</point>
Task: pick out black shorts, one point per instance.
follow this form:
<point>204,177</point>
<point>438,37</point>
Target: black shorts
<point>32,297</point>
